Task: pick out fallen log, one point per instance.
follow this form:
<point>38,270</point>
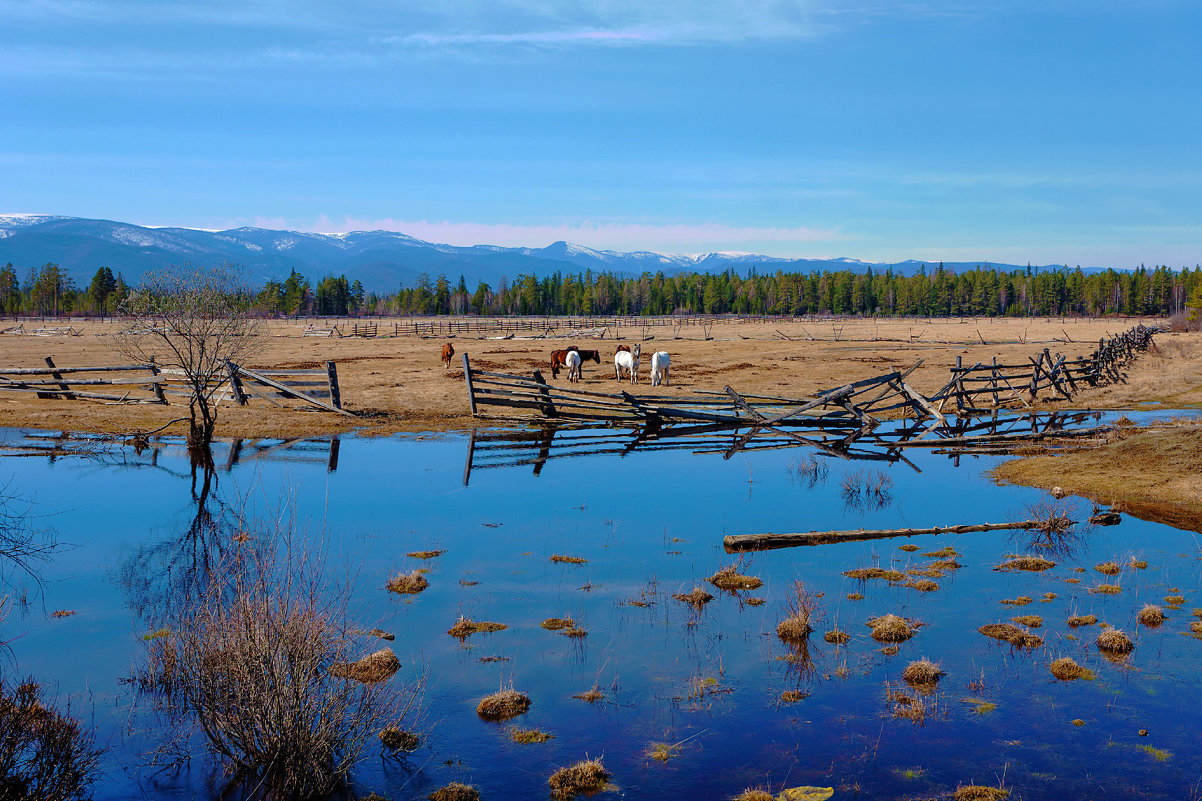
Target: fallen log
<point>741,543</point>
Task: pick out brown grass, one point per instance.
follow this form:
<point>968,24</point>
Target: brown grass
<point>592,695</point>
<point>855,596</point>
<point>1114,641</point>
<point>946,552</point>
<point>558,623</point>
<point>891,628</point>
<point>398,739</point>
<point>866,573</point>
<point>754,601</point>
<point>793,696</point>
<point>568,560</point>
<point>587,776</point>
<point>802,612</point>
<point>1030,563</point>
<point>466,627</point>
<point>922,673</point>
<point>1109,568</point>
<point>1106,589</point>
<point>1138,564</point>
<point>908,548</point>
<point>1021,600</point>
<point>425,554</point>
<point>836,637</point>
<point>976,792</point>
<point>1008,632</point>
<point>529,736</point>
<point>1174,600</point>
<point>1076,621</point>
<point>754,794</point>
<point>1031,621</point>
<point>407,583</point>
<point>455,792</point>
<point>696,599</point>
<point>1152,615</point>
<point>1066,669</point>
<point>503,704</point>
<point>371,669</point>
<point>926,572</point>
<point>922,585</point>
<point>730,579</point>
<point>945,564</point>
<point>909,706</point>
<point>1195,626</point>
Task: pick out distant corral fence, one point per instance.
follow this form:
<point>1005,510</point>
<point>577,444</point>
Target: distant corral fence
<point>149,383</point>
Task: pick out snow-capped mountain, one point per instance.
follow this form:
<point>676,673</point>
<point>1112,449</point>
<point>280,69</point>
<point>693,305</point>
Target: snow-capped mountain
<point>381,260</point>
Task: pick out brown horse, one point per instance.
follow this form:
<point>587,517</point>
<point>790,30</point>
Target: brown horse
<point>557,360</point>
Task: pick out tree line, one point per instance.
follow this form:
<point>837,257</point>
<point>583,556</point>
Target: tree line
<point>936,292</point>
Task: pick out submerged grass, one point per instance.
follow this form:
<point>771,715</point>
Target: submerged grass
<point>568,560</point>
<point>866,573</point>
<point>528,736</point>
<point>1021,600</point>
<point>425,554</point>
<point>1008,632</point>
<point>1106,589</point>
<point>466,627</point>
<point>1031,621</point>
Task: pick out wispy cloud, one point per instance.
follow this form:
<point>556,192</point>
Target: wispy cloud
<point>675,237</point>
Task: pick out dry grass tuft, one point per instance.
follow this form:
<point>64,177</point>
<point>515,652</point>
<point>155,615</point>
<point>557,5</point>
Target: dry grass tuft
<point>1076,621</point>
<point>696,599</point>
<point>947,552</point>
<point>588,776</point>
<point>1109,568</point>
<point>1032,621</point>
<point>926,572</point>
<point>592,696</point>
<point>891,628</point>
<point>1196,627</point>
<point>503,704</point>
<point>1049,596</point>
<point>1114,641</point>
<point>558,623</point>
<point>854,596</point>
<point>922,673</point>
<point>803,612</point>
<point>398,739</point>
<point>793,696</point>
<point>1138,564</point>
<point>912,707</point>
<point>466,627</point>
<point>407,583</point>
<point>922,585</point>
<point>730,579</point>
<point>1008,632</point>
<point>1152,615</point>
<point>755,601</point>
<point>1030,563</point>
<point>371,669</point>
<point>866,573</point>
<point>1106,589</point>
<point>528,736</point>
<point>662,752</point>
<point>908,548</point>
<point>1066,669</point>
<point>836,637</point>
<point>1174,600</point>
<point>754,794</point>
<point>1021,600</point>
<point>425,554</point>
<point>945,564</point>
<point>976,792</point>
<point>455,792</point>
<point>568,560</point>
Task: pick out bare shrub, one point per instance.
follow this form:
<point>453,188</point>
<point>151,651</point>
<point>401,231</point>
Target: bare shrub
<point>44,754</point>
<point>867,490</point>
<point>808,471</point>
<point>254,667</point>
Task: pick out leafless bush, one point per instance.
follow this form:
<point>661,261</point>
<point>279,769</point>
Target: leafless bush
<point>251,665</point>
<point>44,754</point>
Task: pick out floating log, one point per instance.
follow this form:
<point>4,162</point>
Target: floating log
<point>741,543</point>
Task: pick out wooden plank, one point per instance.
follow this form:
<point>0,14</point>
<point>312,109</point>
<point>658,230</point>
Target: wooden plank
<point>332,385</point>
<point>69,370</point>
<point>262,379</point>
<point>742,543</point>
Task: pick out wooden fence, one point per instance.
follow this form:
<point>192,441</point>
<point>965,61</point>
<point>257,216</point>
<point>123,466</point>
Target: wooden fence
<point>149,383</point>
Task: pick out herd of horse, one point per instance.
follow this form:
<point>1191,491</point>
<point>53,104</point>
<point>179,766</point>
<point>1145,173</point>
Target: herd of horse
<point>573,358</point>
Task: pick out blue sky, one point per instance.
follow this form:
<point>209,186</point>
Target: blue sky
<point>1010,131</point>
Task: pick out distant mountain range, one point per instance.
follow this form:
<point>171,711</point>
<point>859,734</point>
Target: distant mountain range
<point>381,260</point>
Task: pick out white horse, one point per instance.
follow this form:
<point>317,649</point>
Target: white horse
<point>628,361</point>
<point>659,368</point>
<point>572,362</point>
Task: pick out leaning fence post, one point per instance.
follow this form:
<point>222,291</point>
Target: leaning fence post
<point>61,385</point>
<point>231,370</point>
<point>548,407</point>
<point>335,392</point>
<point>467,379</point>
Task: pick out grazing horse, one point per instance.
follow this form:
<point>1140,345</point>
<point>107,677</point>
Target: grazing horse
<point>448,350</point>
<point>627,360</point>
<point>572,362</point>
<point>659,368</point>
<point>558,358</point>
<point>590,355</point>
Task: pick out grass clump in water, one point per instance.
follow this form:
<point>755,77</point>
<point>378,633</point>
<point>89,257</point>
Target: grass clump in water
<point>755,601</point>
<point>424,554</point>
<point>866,573</point>
<point>980,706</point>
<point>1008,632</point>
<point>976,792</point>
<point>587,776</point>
<point>1031,621</point>
<point>854,596</point>
<point>398,739</point>
<point>947,552</point>
<point>1029,563</point>
<point>1152,615</point>
<point>455,792</point>
<point>1138,564</point>
<point>922,673</point>
<point>754,794</point>
<point>922,585</point>
<point>662,752</point>
<point>1115,641</point>
<point>793,696</point>
<point>836,636</point>
<point>803,612</point>
<point>558,623</point>
<point>568,560</point>
<point>730,579</point>
<point>407,583</point>
<point>1174,600</point>
<point>1076,621</point>
<point>1021,600</point>
<point>1106,589</point>
<point>466,627</point>
<point>1159,754</point>
<point>503,704</point>
<point>908,548</point>
<point>696,599</point>
<point>592,695</point>
<point>371,669</point>
<point>891,628</point>
<point>528,736</point>
<point>1108,568</point>
<point>1066,669</point>
<point>902,704</point>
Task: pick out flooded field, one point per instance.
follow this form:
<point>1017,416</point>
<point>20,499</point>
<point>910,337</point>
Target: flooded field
<point>683,698</point>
